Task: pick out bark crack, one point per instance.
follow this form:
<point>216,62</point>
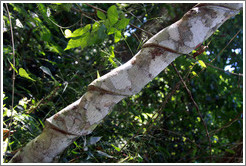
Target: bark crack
<point>53,127</point>
<point>103,91</point>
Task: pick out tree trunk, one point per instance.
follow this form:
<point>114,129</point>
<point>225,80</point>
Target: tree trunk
<point>81,117</point>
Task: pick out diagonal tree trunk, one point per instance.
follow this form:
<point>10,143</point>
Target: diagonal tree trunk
<point>82,116</point>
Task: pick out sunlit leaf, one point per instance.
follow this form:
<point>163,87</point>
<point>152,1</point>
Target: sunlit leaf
<point>42,124</point>
<point>112,62</point>
<point>194,73</point>
<point>68,33</point>
<point>74,152</point>
<point>57,3</point>
<point>202,63</point>
<point>116,148</point>
<point>98,75</point>
<point>81,31</point>
<point>117,36</point>
<point>23,73</point>
<point>198,119</point>
<point>78,42</point>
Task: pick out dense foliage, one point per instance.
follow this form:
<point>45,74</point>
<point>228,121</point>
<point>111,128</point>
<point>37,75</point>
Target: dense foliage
<point>61,48</point>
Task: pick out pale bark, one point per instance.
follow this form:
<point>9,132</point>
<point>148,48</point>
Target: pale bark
<point>81,117</point>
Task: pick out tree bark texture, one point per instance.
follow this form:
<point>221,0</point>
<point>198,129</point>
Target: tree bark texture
<point>81,117</point>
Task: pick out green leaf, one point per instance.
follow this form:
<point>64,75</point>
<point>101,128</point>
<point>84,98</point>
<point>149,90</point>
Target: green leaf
<point>117,36</point>
<point>194,73</point>
<point>122,23</point>
<point>45,36</point>
<point>47,71</point>
<point>13,66</point>
<point>40,121</point>
<point>81,31</point>
<point>73,43</point>
<point>230,151</point>
<point>107,24</point>
<point>78,42</point>
<point>97,35</point>
<point>74,152</point>
<point>116,148</point>
<point>112,14</point>
<point>112,62</point>
<point>23,73</point>
<point>111,30</point>
<point>111,48</point>
<point>101,15</point>
<point>98,75</point>
<point>101,33</point>
<point>67,6</point>
<point>202,63</point>
<point>57,3</point>
<point>198,119</point>
<point>111,56</point>
<point>95,27</point>
<point>53,48</point>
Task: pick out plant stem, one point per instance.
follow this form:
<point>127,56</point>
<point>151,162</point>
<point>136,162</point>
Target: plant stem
<point>13,78</point>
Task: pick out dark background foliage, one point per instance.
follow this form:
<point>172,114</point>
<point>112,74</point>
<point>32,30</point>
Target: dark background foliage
<point>141,128</point>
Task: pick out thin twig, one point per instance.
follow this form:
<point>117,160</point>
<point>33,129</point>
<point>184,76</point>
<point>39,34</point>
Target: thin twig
<point>62,26</point>
<point>13,78</point>
<point>96,8</point>
<point>197,108</point>
<point>227,124</point>
<point>83,13</point>
<point>226,45</point>
<point>236,74</point>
